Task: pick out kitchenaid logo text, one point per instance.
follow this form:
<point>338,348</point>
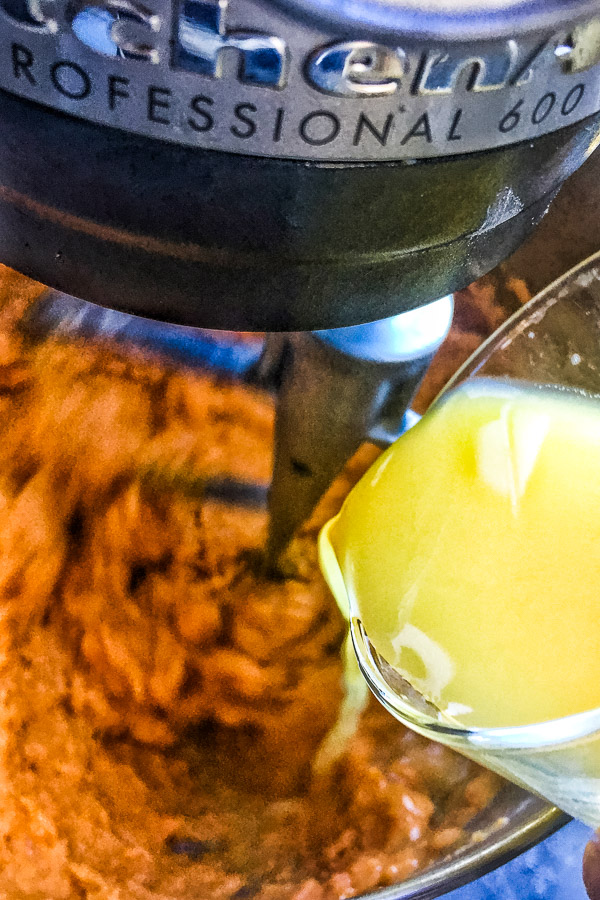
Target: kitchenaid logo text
<point>120,63</point>
<point>130,30</point>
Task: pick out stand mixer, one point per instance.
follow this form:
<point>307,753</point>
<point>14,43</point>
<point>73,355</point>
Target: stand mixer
<point>292,166</point>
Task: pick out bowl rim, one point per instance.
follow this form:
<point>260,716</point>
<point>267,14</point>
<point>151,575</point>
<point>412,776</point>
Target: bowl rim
<point>455,872</point>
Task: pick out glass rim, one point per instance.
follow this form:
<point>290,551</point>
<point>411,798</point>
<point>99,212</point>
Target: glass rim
<point>557,290</point>
<point>536,736</point>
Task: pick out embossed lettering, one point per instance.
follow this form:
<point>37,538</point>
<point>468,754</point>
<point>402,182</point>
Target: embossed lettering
<point>319,128</point>
<point>123,28</point>
<point>381,135</point>
<point>581,48</point>
<point>278,124</point>
<point>357,69</point>
<point>38,14</point>
<point>486,71</point>
<point>543,108</point>
<point>196,106</point>
<point>22,61</point>
<point>572,100</point>
<point>70,80</point>
<point>241,112</point>
<point>203,39</point>
<point>116,83</point>
<point>421,128</point>
<point>453,134</point>
<point>158,98</point>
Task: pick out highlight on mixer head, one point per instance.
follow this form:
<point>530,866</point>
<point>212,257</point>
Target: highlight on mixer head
<point>447,19</point>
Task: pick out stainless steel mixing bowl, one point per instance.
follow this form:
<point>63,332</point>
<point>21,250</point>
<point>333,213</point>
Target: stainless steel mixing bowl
<point>558,328</point>
<point>511,824</point>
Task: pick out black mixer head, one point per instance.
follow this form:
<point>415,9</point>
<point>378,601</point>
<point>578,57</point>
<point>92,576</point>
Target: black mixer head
<point>286,165</point>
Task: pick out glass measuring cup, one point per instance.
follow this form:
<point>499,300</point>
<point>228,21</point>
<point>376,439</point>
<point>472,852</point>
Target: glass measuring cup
<point>554,340</point>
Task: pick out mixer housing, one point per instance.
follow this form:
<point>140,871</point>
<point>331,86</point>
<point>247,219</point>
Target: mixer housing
<point>284,166</point>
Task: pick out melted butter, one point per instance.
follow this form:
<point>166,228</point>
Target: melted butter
<point>471,553</point>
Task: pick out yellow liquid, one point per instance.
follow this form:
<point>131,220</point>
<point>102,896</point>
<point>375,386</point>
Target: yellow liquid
<point>471,553</point>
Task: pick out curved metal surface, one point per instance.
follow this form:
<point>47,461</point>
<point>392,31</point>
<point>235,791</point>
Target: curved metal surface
<point>459,20</point>
<point>244,77</point>
<point>510,826</point>
<point>212,239</point>
<point>293,90</point>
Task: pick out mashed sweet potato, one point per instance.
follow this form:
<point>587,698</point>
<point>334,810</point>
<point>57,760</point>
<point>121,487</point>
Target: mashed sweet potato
<point>161,702</point>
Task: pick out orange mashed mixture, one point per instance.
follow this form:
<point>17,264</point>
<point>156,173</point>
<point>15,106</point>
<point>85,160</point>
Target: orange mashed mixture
<point>160,703</point>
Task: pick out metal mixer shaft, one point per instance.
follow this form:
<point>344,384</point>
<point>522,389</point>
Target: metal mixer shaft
<point>339,388</point>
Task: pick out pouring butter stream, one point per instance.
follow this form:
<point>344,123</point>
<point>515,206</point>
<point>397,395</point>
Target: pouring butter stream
<point>468,560</point>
